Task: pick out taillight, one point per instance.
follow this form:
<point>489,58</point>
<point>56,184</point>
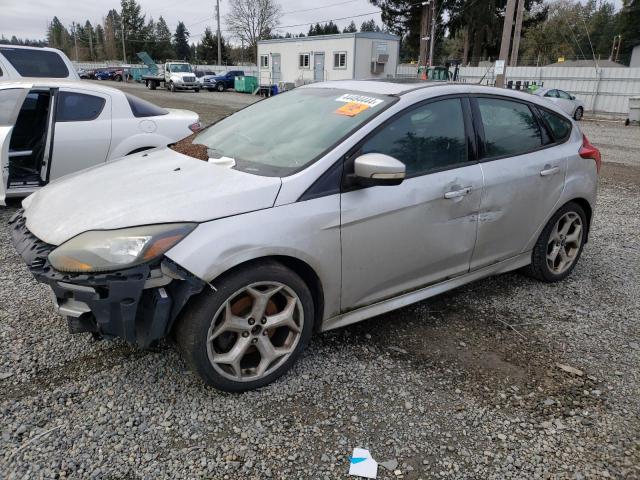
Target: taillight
<point>589,151</point>
<point>195,127</point>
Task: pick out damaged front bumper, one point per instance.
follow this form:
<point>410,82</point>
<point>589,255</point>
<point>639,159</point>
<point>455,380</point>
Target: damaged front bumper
<point>139,304</point>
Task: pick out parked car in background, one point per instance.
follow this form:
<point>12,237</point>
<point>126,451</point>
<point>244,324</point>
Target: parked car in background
<point>205,78</point>
<point>567,102</point>
<point>328,205</point>
<point>18,62</point>
<point>222,82</point>
<point>105,74</point>
<point>50,128</point>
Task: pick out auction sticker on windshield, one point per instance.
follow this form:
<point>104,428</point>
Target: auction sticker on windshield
<point>361,99</point>
<point>352,109</point>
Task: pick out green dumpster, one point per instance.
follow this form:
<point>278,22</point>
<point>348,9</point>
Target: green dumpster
<point>245,84</point>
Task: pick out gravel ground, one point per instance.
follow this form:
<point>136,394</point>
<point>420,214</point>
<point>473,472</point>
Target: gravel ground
<point>466,385</point>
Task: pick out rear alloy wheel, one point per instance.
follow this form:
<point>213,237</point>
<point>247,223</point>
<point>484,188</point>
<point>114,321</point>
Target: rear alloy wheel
<point>560,244</point>
<point>578,114</point>
<point>250,330</point>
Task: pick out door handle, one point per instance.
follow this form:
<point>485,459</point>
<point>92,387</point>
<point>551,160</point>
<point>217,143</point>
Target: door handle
<point>457,193</point>
<point>549,171</point>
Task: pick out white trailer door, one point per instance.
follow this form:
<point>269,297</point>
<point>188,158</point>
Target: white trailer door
<point>11,98</point>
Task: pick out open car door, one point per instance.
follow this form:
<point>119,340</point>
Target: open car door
<point>11,98</point>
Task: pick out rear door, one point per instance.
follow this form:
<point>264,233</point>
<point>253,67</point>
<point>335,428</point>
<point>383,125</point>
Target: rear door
<point>82,131</point>
<point>523,178</point>
<point>11,98</point>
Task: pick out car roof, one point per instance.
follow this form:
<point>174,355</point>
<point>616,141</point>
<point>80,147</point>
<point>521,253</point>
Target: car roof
<point>55,83</point>
<point>27,47</point>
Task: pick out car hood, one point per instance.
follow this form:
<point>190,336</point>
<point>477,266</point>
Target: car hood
<point>160,186</point>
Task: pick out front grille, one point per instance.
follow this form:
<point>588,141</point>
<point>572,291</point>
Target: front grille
<point>33,250</point>
<point>188,79</point>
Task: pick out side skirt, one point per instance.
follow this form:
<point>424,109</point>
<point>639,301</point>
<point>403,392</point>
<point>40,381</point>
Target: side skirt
<point>394,303</point>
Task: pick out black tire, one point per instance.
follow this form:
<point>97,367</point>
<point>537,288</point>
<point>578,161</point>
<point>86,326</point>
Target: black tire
<point>197,90</point>
<point>577,115</point>
<point>192,328</point>
<point>539,268</point>
<point>118,78</point>
<point>220,87</point>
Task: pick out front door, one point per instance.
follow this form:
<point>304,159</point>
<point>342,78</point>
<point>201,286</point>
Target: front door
<point>82,131</point>
<point>522,181</point>
<point>318,67</point>
<point>11,99</point>
<point>275,69</point>
<point>400,238</point>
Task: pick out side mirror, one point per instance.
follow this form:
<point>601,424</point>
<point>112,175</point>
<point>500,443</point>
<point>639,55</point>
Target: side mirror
<point>378,169</point>
<point>573,97</point>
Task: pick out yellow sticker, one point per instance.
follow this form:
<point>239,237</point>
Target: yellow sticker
<point>352,109</point>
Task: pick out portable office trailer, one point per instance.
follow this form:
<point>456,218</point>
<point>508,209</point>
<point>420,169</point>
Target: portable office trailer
<point>345,56</point>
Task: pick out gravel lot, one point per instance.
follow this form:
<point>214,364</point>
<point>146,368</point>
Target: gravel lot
<point>466,385</point>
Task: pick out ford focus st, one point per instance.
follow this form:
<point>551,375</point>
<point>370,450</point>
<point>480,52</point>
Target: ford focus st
<point>309,211</point>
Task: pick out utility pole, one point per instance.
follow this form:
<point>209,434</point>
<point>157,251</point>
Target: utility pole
<point>124,52</point>
<point>516,34</point>
<point>75,39</point>
<point>219,36</point>
<point>424,38</point>
<point>506,38</point>
<point>432,35</point>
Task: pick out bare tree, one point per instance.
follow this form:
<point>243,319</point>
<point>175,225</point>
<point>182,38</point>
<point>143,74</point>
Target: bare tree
<point>253,20</point>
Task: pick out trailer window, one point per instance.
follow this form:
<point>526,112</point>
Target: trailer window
<point>35,63</point>
<point>303,60</point>
<point>340,60</point>
<point>264,61</point>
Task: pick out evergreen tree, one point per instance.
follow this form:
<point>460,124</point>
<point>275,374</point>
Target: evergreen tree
<point>181,42</point>
<point>133,24</point>
<point>351,28</point>
<point>164,48</point>
<point>369,26</point>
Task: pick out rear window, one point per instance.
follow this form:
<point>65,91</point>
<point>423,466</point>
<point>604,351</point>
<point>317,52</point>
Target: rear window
<point>142,108</point>
<point>36,63</point>
<point>78,107</point>
<point>560,127</point>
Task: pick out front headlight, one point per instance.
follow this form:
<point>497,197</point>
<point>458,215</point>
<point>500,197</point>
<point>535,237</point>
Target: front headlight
<point>105,250</point>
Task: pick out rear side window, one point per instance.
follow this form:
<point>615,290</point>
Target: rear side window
<point>560,127</point>
<point>36,63</point>
<point>78,107</point>
<point>142,108</point>
<point>510,128</point>
<point>427,138</point>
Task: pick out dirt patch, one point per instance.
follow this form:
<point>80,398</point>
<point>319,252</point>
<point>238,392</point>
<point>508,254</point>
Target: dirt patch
<point>618,173</point>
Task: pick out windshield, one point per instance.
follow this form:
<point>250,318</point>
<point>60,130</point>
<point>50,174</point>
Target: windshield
<point>180,67</point>
<point>287,132</point>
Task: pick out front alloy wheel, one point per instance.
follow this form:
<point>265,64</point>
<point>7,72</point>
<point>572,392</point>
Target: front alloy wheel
<point>255,331</point>
<point>250,329</point>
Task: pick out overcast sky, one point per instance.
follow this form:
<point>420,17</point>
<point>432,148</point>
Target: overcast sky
<point>28,18</point>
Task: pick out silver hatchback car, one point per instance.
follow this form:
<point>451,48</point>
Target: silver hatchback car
<point>309,211</point>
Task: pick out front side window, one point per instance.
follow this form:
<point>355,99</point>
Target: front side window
<point>142,108</point>
<point>36,63</point>
<point>564,95</point>
<point>560,127</point>
<point>287,132</point>
<point>428,138</point>
<point>552,94</point>
<point>78,107</point>
<point>264,61</point>
<point>510,128</point>
<point>9,99</point>
<point>340,60</point>
<point>303,60</point>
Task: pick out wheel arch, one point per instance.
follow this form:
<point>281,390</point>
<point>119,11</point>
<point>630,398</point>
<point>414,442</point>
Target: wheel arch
<point>301,268</point>
<point>588,210</point>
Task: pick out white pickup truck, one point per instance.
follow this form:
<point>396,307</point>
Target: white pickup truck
<point>174,76</point>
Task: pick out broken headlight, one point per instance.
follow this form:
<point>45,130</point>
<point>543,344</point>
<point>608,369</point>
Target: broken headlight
<point>106,250</point>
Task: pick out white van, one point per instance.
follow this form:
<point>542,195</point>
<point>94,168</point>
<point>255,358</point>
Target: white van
<point>17,62</point>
